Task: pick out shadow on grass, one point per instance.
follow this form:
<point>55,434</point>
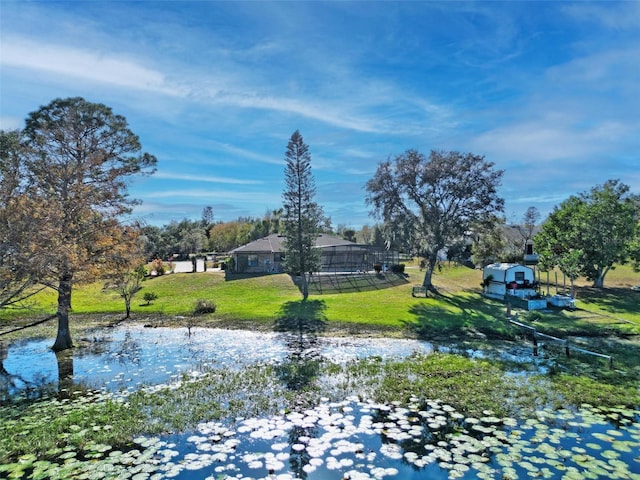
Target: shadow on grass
<point>614,300</point>
<point>354,282</point>
<point>302,317</point>
<point>458,316</point>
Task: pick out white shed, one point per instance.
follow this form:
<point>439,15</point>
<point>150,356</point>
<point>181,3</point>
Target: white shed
<point>502,278</point>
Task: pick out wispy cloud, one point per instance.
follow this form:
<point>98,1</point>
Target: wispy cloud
<point>91,66</point>
<point>205,178</point>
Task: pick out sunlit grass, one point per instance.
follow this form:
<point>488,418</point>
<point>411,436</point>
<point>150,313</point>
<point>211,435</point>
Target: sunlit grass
<point>457,308</point>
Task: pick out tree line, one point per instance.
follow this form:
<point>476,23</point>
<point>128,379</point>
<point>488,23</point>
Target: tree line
<point>180,239</point>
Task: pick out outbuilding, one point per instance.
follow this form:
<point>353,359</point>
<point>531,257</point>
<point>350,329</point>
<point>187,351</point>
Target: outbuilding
<point>502,279</point>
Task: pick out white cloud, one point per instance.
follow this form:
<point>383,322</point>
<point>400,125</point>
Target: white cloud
<point>205,178</point>
<point>91,66</point>
<point>547,140</point>
<point>256,197</point>
<point>10,123</point>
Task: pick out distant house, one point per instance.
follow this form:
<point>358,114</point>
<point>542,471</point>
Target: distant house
<point>521,247</point>
<point>266,255</point>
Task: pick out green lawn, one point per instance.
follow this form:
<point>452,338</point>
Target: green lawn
<point>457,309</point>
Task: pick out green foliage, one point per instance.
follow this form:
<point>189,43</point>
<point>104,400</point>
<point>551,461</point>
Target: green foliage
<point>204,306</point>
<point>589,233</point>
<point>150,297</point>
<point>429,203</point>
<point>302,215</point>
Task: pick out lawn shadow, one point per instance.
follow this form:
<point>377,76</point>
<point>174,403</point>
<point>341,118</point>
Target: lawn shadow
<point>614,300</point>
<point>354,282</point>
<point>458,316</point>
<point>303,317</point>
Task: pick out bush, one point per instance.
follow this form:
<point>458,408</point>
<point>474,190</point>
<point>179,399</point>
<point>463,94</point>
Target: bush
<point>204,306</point>
<point>158,266</point>
<point>149,297</point>
<point>397,268</point>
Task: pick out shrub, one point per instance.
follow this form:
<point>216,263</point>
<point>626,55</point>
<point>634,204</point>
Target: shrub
<point>397,268</point>
<point>204,306</point>
<point>158,266</point>
<point>149,297</point>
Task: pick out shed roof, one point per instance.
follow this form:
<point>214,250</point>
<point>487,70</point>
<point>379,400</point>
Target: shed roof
<point>504,266</point>
<point>274,243</point>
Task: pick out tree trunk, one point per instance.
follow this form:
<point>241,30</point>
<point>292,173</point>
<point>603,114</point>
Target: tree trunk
<point>63,339</point>
<point>430,267</point>
<point>305,286</point>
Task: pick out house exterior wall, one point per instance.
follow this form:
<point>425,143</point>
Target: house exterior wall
<point>507,279</point>
<point>257,262</point>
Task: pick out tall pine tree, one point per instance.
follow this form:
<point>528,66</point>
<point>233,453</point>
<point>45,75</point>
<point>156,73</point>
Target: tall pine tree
<point>302,216</point>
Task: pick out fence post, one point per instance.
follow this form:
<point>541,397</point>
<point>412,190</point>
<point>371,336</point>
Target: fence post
<point>535,343</point>
<point>566,348</point>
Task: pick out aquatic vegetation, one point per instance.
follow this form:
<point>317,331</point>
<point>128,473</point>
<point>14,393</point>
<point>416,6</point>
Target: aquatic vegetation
<point>368,440</point>
<point>212,405</point>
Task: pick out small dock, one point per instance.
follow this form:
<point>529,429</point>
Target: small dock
<point>568,347</point>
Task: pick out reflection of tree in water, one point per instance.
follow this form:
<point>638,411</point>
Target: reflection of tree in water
<point>300,435</point>
<point>126,351</point>
<point>13,385</point>
<point>65,373</point>
<point>129,351</point>
<point>300,323</point>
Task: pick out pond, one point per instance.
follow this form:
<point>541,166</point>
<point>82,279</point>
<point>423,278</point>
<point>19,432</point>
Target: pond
<point>350,438</point>
<point>126,358</point>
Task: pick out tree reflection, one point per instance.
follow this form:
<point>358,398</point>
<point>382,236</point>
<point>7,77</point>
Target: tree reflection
<point>300,323</point>
<point>33,384</point>
<point>65,373</point>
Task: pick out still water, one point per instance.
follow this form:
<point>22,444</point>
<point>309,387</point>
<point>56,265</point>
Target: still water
<point>126,358</point>
<point>349,439</point>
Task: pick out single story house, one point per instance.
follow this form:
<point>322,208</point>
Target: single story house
<point>266,255</point>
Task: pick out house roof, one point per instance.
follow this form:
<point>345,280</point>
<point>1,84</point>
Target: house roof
<point>274,243</point>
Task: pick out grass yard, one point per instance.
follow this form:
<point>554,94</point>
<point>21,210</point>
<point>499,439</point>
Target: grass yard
<point>458,310</point>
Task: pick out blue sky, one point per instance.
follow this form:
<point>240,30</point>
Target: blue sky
<point>549,91</point>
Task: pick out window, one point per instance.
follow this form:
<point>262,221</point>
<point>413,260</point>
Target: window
<point>519,276</point>
<point>253,260</point>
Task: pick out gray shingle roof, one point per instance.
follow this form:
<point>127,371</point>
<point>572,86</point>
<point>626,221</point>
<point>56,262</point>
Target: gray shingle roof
<point>274,243</point>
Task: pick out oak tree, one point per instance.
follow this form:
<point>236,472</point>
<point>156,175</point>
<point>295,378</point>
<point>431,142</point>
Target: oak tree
<point>432,202</point>
<point>599,226</point>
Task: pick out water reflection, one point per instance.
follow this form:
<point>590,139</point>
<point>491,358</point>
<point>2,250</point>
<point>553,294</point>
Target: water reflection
<point>64,359</point>
<point>129,357</point>
<point>299,324</point>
